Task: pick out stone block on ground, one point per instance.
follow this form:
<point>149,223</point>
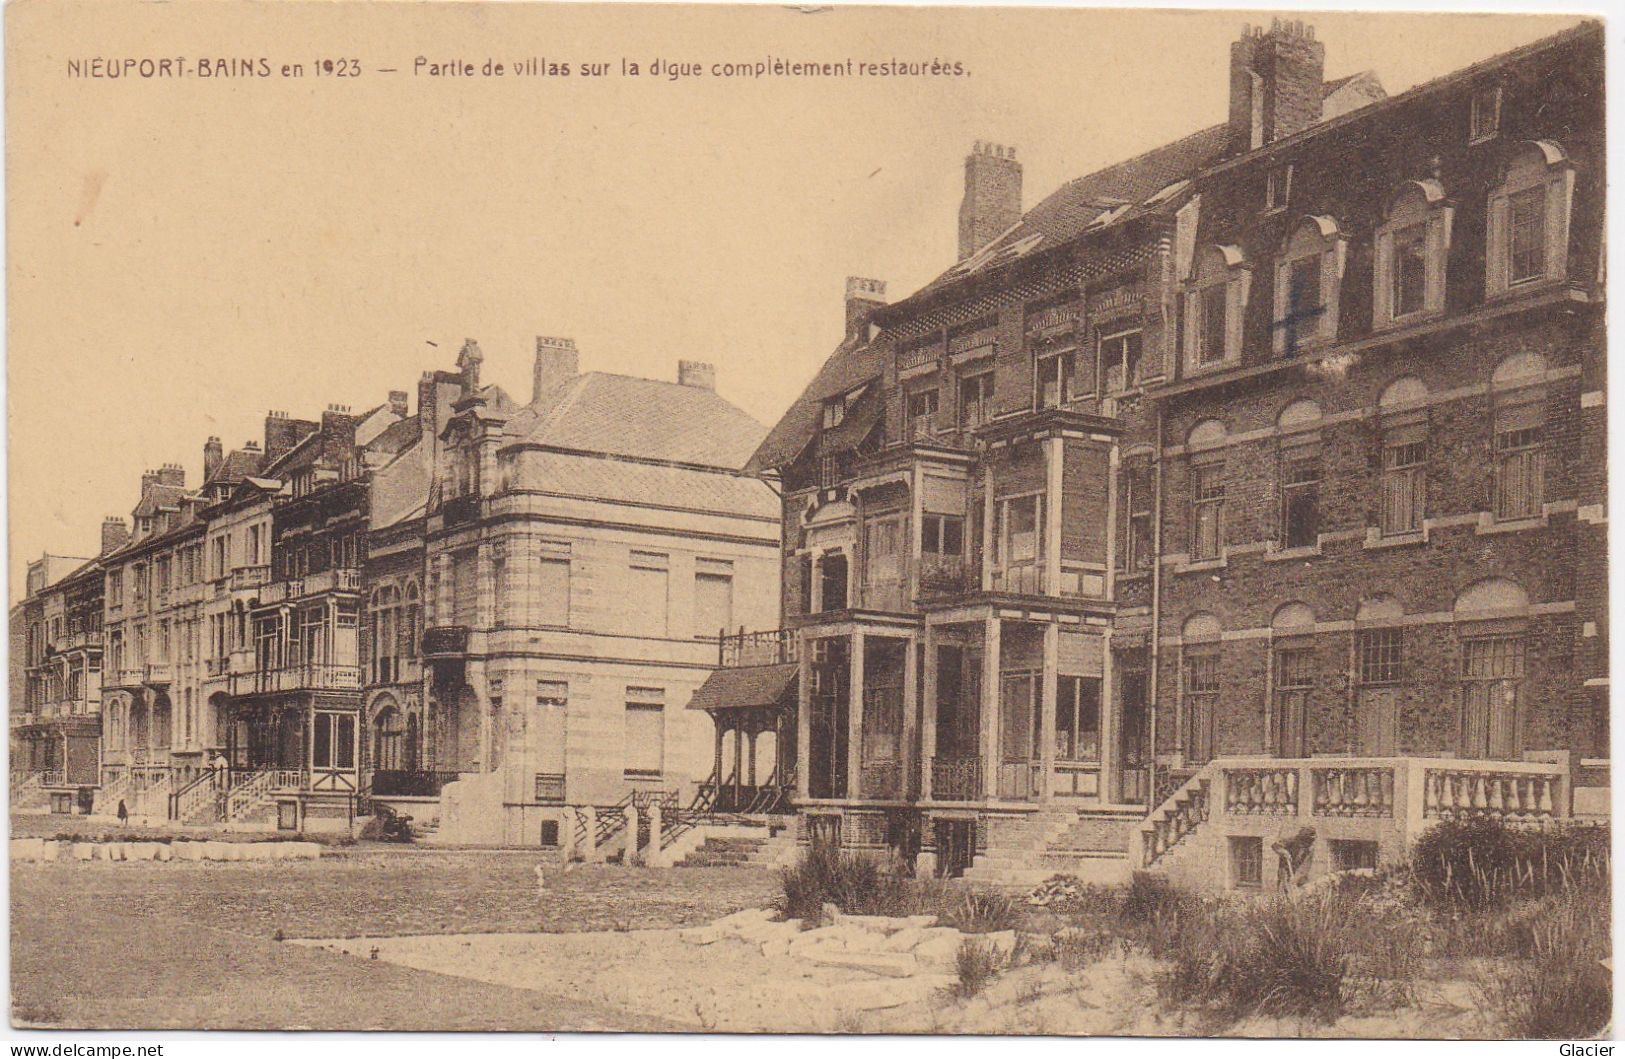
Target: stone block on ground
<point>165,852</point>
<point>27,849</point>
<point>887,964</point>
<point>83,851</point>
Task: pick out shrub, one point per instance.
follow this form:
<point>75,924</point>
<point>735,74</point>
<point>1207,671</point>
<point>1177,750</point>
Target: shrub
<point>1279,956</point>
<point>977,962</point>
<point>984,912</point>
<point>1485,863</point>
<point>1559,988</point>
<point>854,884</point>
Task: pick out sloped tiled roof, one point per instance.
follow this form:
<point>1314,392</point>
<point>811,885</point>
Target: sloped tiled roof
<point>622,416</point>
<point>400,489</point>
<point>237,465</point>
<point>752,686</point>
<point>158,498</point>
<point>397,436</point>
<point>1130,187</point>
<point>621,481</point>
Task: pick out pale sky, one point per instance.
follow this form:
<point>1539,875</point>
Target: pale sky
<point>184,255</point>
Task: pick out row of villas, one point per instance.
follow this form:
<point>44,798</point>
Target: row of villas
<point>1254,482</point>
<point>503,605</point>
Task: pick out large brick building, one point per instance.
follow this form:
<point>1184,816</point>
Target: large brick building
<point>1279,442</point>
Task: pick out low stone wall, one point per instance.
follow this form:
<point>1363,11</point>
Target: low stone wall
<point>41,850</point>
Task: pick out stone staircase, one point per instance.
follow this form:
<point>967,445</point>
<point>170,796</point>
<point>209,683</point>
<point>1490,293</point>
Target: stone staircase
<point>718,852</point>
<point>1092,845</point>
<point>768,846</point>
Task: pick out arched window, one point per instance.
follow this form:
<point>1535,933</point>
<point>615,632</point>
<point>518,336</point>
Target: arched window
<point>385,607</point>
<point>1291,630</point>
<point>1215,300</point>
<point>1308,279</point>
<point>1299,474</point>
<point>414,741</point>
<point>1207,482</point>
<point>1199,663</point>
<point>1518,490</point>
<point>1403,418</point>
<point>387,737</point>
<point>1380,654</point>
<point>1528,239</point>
<point>1490,616</point>
<point>412,622</point>
<point>1413,243</point>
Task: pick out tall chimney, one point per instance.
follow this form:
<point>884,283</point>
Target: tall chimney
<point>863,297</point>
<point>992,200</point>
<point>1276,83</point>
<point>213,454</point>
<point>172,474</point>
<point>282,434</point>
<point>148,480</point>
<point>557,361</point>
<point>468,362</point>
<point>115,533</point>
<point>397,403</point>
<point>697,373</point>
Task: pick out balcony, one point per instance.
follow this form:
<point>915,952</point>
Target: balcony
<point>956,779</point>
<point>245,577</point>
<point>766,648</point>
<point>944,575</point>
<point>131,676</point>
<point>460,509</point>
<point>341,579</point>
<point>158,673</point>
<point>318,676</point>
<point>445,641</point>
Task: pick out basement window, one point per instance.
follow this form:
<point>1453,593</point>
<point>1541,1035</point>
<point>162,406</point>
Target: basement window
<point>1246,862</point>
<point>1353,855</point>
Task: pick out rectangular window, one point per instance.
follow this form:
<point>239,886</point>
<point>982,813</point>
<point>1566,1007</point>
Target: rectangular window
<point>942,535</point>
<point>713,597</point>
<point>1526,229</point>
<point>975,400</point>
<point>1410,269</point>
<point>1212,326</point>
<point>1304,304</point>
<point>645,731</point>
<point>834,412</point>
<point>1353,854</point>
<point>464,588</point>
<point>1137,539</point>
<point>1077,719</point>
<point>1207,511</point>
<point>1294,681</point>
<point>883,562</point>
<point>1485,120</point>
<point>1520,472</point>
<point>1381,656</point>
<point>1246,861</point>
<point>333,742</point>
<point>1052,380</point>
<point>650,592</point>
<point>1201,702</point>
<point>1019,538</point>
<point>1403,487</point>
<point>553,584</point>
<point>1278,187</point>
<point>1300,501</point>
<point>922,413</point>
<point>1120,362</point>
<point>1491,670</point>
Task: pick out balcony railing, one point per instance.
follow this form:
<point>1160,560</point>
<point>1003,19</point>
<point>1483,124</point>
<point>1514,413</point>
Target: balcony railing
<point>956,779</point>
<point>159,673</point>
<point>1025,580</point>
<point>765,648</point>
<point>880,779</point>
<point>942,575</point>
<point>340,579</point>
<point>445,640</point>
<point>409,783</point>
<point>1019,780</point>
<point>310,677</point>
<point>250,577</point>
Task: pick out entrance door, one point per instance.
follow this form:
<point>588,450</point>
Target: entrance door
<point>1133,739</point>
<point>1375,722</point>
<point>1491,671</point>
<point>1018,717</point>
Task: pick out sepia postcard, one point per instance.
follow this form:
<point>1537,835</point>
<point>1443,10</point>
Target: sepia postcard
<point>724,519</point>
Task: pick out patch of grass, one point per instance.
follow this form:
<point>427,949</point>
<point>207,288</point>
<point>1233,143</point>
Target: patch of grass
<point>976,962</point>
<point>984,912</point>
<point>855,884</point>
<point>1555,987</point>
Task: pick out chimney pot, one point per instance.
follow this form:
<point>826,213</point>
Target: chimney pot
<point>698,374</point>
<point>114,534</point>
<point>1276,83</point>
<point>863,297</point>
<point>398,402</point>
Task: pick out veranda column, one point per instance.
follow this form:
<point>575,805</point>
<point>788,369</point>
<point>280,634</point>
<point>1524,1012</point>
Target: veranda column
<point>990,707</point>
<point>716,769</point>
<point>750,753</point>
<point>911,716</point>
<point>854,719</point>
<point>1051,549</point>
<point>928,713</point>
<point>1108,720</point>
<point>739,751</point>
<point>804,721</point>
<point>1046,712</point>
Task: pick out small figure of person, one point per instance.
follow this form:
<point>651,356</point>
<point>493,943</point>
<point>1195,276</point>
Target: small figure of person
<point>123,814</point>
<point>541,888</point>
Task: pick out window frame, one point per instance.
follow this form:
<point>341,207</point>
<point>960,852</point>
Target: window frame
<point>1417,204</point>
<point>1320,239</point>
<point>1536,166</point>
<point>1216,268</point>
<point>1214,498</point>
<point>1478,131</point>
<point>1129,380</point>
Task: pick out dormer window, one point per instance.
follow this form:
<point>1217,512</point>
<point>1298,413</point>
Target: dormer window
<point>922,413</point>
<point>975,399</point>
<point>1120,361</point>
<point>834,412</point>
<point>1308,279</point>
<point>1484,120</point>
<point>1214,303</point>
<point>1413,244</point>
<point>1529,220</point>
<point>1277,188</point>
<point>1051,381</point>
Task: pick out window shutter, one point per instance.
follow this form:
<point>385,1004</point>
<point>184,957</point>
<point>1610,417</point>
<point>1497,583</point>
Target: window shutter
<point>1495,252</point>
<point>1382,281</point>
<point>1331,285</point>
<point>1193,327</point>
<point>1283,279</point>
<point>1559,197</point>
<point>1437,248</point>
<point>1235,302</point>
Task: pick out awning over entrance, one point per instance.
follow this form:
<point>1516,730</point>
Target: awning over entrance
<point>752,686</point>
